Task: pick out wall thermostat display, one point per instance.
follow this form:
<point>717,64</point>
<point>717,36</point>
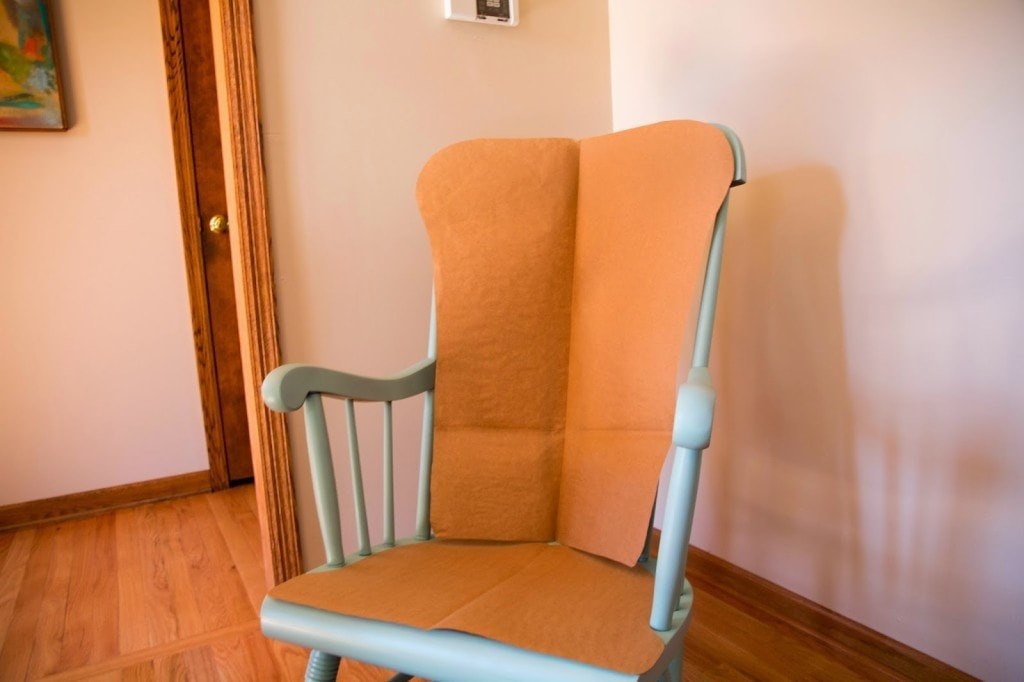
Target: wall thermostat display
<point>500,12</point>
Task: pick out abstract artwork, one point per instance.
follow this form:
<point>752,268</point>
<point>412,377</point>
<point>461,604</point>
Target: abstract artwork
<point>30,97</point>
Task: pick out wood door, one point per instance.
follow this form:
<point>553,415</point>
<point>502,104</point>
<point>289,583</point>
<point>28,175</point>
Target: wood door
<point>192,87</point>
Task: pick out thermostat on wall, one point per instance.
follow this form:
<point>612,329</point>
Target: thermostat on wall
<point>500,12</point>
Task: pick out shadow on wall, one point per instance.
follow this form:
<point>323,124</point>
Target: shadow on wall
<point>784,436</point>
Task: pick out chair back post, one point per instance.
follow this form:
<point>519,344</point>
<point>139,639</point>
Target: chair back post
<point>675,537</point>
<point>709,296</point>
<point>427,441</point>
<point>325,491</point>
<point>681,498</point>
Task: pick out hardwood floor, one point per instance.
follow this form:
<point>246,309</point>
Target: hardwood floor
<point>170,591</point>
<point>162,591</point>
<point>746,628</point>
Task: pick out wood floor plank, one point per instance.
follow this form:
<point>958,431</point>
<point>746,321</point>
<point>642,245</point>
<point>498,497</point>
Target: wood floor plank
<point>700,664</point>
<point>172,541</point>
<point>140,672</point>
<point>113,676</point>
<point>17,647</point>
<point>46,644</point>
<point>137,660</point>
<point>91,617</point>
<point>711,656</point>
<point>254,505</point>
<point>244,658</point>
<point>761,646</point>
<point>859,647</point>
<point>213,575</point>
<point>243,505</point>
<point>12,574</point>
<point>165,615</point>
<point>132,626</point>
<point>291,660</point>
<point>722,600</point>
<point>6,540</point>
<point>240,530</point>
<point>192,664</point>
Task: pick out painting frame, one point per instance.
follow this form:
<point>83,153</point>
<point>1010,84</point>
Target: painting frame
<point>31,88</point>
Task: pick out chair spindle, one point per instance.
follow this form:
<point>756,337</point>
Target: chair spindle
<point>324,489</point>
<point>357,479</point>
<point>389,479</point>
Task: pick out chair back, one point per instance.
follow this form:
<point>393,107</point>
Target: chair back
<point>564,272</point>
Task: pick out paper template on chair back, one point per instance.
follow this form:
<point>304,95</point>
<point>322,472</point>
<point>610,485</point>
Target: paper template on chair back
<point>560,315</point>
<point>563,273</point>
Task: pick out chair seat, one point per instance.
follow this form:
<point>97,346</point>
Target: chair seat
<point>545,598</point>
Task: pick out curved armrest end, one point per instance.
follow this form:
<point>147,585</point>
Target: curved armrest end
<point>284,389</point>
<point>695,411</point>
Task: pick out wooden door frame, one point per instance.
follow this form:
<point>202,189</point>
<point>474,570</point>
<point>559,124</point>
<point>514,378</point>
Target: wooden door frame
<point>191,227</point>
<point>252,263</point>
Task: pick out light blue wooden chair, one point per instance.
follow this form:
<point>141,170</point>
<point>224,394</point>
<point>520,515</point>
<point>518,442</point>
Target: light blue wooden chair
<point>344,609</point>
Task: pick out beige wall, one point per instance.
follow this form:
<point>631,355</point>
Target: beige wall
<point>868,451</point>
<point>356,96</point>
<point>96,360</point>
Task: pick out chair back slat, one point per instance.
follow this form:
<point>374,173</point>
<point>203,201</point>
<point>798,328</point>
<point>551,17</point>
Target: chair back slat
<point>358,499</point>
<point>325,490</point>
<point>389,479</point>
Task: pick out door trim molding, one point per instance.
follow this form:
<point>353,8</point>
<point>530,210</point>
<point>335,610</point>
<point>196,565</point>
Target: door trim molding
<point>255,284</point>
<point>191,233</point>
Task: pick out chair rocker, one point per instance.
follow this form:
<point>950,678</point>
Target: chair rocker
<point>563,273</point>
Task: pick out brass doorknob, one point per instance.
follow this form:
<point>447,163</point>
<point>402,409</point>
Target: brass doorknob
<point>218,224</point>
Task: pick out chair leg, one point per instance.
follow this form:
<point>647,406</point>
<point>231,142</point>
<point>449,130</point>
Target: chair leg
<point>322,667</point>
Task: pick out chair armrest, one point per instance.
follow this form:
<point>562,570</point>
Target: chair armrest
<point>695,411</point>
<point>285,389</point>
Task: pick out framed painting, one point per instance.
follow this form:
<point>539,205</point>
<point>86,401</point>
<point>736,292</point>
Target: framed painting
<point>30,95</point>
